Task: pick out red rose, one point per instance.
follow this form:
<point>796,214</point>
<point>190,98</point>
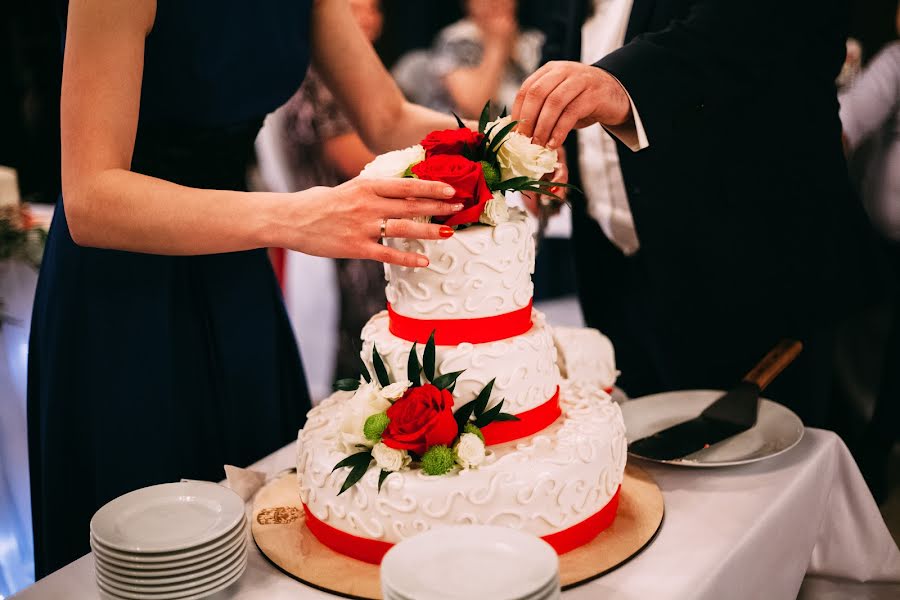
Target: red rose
<point>466,177</point>
<point>422,418</point>
<point>450,141</point>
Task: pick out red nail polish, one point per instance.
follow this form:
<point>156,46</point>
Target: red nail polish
<point>446,232</point>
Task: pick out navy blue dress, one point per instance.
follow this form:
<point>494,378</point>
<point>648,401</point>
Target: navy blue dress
<point>145,369</point>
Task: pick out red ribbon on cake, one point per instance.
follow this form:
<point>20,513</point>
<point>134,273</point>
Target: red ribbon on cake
<point>529,423</point>
<point>450,332</point>
<point>372,551</point>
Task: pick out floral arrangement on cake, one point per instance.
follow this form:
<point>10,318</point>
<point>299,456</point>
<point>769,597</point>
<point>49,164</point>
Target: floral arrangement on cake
<point>481,166</point>
<point>411,424</point>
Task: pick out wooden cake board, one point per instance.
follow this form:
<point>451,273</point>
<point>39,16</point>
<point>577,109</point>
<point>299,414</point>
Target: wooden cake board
<point>279,529</point>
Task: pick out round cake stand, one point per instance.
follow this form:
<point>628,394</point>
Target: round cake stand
<point>279,529</point>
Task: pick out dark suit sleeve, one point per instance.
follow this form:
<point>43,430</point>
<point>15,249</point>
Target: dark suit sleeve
<point>720,51</point>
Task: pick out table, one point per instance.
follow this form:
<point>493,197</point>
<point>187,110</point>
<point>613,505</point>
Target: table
<point>758,531</point>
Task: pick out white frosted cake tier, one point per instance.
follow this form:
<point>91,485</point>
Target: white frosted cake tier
<point>479,272</point>
<point>542,484</point>
<point>524,366</point>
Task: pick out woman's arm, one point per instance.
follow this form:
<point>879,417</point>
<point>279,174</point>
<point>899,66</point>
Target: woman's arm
<point>471,87</point>
<point>355,75</point>
<point>108,206</point>
<point>347,154</point>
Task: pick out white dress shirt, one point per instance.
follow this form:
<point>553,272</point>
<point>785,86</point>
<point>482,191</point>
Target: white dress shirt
<point>601,175</point>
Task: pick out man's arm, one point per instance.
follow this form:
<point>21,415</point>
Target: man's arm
<point>717,52</point>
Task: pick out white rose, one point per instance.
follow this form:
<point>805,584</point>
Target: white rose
<point>395,390</point>
<point>393,164</point>
<point>390,459</point>
<point>518,157</point>
<point>495,210</point>
<point>366,401</point>
<point>469,451</point>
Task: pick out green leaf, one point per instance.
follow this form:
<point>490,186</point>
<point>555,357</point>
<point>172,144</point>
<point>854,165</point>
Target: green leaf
<point>554,184</point>
<point>506,417</point>
<point>364,370</point>
<point>485,116</point>
<point>428,358</point>
<point>381,477</point>
<point>355,475</point>
<point>346,385</point>
<point>354,459</point>
<point>359,463</point>
<point>503,113</point>
<point>412,367</point>
<point>482,399</point>
<point>463,415</point>
<point>512,183</point>
<point>489,416</point>
<point>459,121</point>
<point>380,371</point>
<point>501,136</point>
<point>446,381</point>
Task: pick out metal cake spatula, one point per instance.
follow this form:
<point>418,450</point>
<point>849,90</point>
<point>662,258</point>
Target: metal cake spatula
<point>733,413</point>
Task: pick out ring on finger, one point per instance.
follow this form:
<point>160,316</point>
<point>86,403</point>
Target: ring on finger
<point>383,228</point>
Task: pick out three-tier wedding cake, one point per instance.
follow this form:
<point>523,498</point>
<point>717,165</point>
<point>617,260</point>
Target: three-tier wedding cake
<point>472,410</point>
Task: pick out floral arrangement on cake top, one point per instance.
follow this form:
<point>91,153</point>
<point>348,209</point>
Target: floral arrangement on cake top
<point>480,165</point>
<point>411,424</point>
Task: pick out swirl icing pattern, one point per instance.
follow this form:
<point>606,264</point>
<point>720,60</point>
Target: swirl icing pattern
<point>479,272</point>
<point>542,485</point>
<point>524,366</point>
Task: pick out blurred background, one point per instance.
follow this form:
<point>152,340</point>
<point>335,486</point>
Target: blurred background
<point>428,49</point>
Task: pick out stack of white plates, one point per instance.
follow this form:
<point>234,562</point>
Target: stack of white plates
<point>471,561</point>
<point>172,541</point>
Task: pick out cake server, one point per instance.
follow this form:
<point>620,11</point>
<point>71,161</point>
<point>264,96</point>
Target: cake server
<point>736,411</point>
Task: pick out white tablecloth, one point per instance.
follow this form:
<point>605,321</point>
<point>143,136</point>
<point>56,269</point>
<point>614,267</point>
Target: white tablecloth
<point>744,532</point>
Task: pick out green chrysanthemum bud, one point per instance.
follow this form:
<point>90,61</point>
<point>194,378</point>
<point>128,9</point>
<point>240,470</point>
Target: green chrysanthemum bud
<point>491,175</point>
<point>438,460</point>
<point>375,426</point>
<point>471,428</point>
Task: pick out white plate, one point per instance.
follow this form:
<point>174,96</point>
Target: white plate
<point>194,594</point>
<point>777,428</point>
<point>170,559</point>
<point>551,591</point>
<point>167,517</point>
<point>495,562</point>
<point>153,578</point>
<point>223,573</point>
<point>164,569</point>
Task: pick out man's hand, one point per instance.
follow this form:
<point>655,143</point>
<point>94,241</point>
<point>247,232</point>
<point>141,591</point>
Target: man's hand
<point>563,95</point>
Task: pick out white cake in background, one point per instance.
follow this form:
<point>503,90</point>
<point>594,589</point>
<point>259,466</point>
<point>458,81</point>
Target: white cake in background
<point>9,187</point>
<point>586,355</point>
<point>560,477</point>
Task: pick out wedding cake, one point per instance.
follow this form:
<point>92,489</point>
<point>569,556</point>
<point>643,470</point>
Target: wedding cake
<point>471,409</point>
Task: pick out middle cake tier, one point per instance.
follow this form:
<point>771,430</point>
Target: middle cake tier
<point>524,366</point>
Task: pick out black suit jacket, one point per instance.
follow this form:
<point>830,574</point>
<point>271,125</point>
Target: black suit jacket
<point>742,202</point>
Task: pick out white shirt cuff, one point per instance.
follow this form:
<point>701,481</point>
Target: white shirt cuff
<point>631,133</point>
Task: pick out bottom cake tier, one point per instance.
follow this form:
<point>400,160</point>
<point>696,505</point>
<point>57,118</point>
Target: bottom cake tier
<point>560,484</point>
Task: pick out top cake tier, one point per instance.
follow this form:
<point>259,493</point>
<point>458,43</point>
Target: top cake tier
<point>479,272</point>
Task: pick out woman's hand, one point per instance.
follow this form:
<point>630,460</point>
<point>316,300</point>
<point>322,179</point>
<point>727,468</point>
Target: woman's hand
<point>346,221</point>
